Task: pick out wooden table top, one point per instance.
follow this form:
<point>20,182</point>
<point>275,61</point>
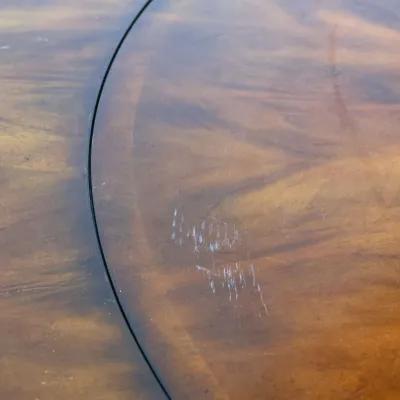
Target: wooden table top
<point>62,336</point>
<point>244,169</point>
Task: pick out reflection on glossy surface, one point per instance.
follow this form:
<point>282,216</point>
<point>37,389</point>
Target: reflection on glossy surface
<point>61,334</point>
<point>246,176</point>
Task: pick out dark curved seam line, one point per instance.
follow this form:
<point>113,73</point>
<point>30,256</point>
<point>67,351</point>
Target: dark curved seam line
<point>91,197</point>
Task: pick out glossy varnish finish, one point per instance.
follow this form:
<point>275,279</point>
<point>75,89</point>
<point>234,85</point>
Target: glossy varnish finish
<point>246,169</point>
<point>61,334</point>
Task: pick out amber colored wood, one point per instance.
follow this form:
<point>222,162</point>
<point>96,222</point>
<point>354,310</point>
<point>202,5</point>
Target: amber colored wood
<point>61,334</point>
<point>274,123</point>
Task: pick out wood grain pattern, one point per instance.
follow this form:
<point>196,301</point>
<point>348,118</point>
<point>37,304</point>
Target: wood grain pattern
<point>246,177</point>
<point>61,335</point>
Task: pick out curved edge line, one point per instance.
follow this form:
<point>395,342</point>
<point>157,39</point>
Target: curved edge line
<point>91,197</point>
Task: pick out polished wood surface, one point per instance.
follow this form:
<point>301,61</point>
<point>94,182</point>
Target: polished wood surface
<point>61,334</point>
<point>246,169</point>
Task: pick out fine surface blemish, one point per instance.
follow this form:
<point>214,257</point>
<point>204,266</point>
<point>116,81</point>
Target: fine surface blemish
<point>207,242</point>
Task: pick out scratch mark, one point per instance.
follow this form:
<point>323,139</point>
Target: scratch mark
<point>211,237</point>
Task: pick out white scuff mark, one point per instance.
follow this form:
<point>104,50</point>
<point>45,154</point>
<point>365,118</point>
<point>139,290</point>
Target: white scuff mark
<point>5,47</point>
<point>207,240</point>
<point>41,39</point>
<point>229,289</point>
<point>207,271</point>
<point>194,234</point>
<point>212,286</point>
<point>259,289</point>
<point>201,268</point>
<point>253,273</point>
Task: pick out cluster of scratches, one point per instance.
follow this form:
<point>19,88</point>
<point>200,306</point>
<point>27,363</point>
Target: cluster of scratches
<point>207,240</point>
